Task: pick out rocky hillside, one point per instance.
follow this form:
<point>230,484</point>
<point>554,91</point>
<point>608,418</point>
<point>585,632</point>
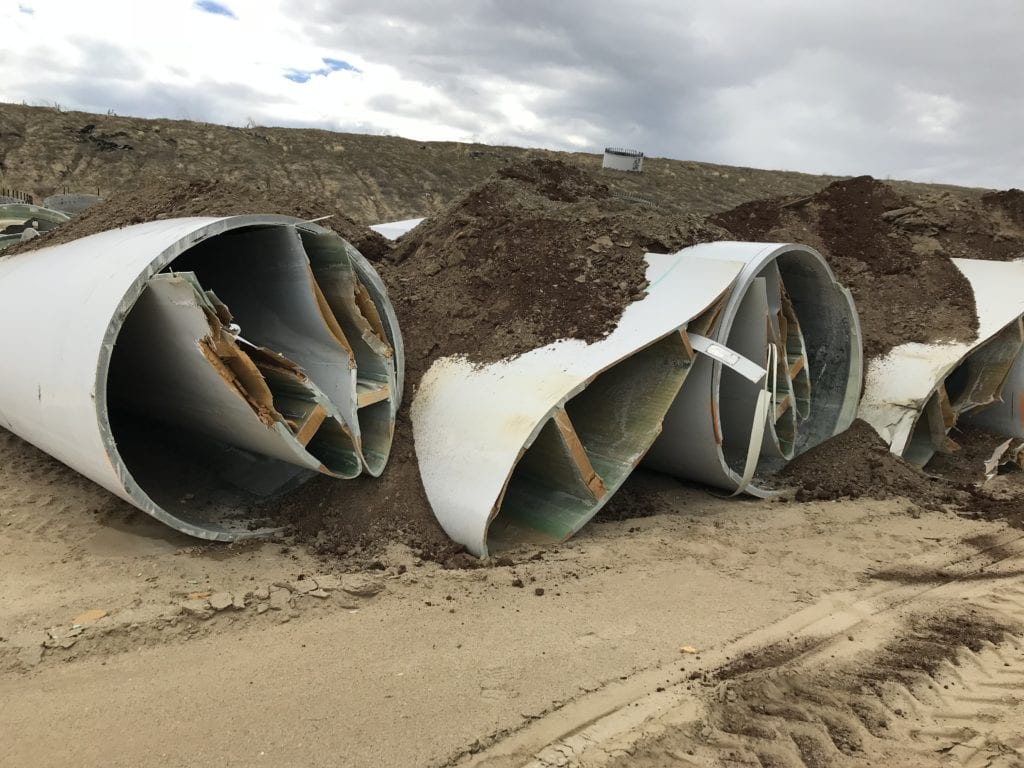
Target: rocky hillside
<point>374,178</point>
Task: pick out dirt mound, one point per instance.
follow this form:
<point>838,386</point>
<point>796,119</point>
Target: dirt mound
<point>556,180</point>
<point>355,518</point>
<point>960,227</point>
<point>905,286</point>
<point>858,464</point>
<point>1011,201</point>
<point>171,197</point>
<point>539,252</point>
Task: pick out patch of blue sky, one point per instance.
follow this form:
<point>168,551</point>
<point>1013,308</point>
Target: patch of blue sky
<point>330,65</point>
<point>215,8</point>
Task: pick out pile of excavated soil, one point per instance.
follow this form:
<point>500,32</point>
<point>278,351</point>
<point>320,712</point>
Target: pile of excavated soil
<point>858,464</point>
<point>905,286</point>
<point>172,198</point>
<point>354,518</point>
<point>539,252</point>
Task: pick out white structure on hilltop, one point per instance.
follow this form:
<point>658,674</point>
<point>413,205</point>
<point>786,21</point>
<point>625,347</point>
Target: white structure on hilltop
<point>623,159</point>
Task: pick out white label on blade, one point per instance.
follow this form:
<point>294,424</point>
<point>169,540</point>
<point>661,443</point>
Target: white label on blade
<point>746,368</point>
<point>719,352</point>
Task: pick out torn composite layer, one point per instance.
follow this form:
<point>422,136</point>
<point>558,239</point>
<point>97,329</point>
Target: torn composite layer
<point>788,313</point>
<point>111,378</point>
<point>1006,415</point>
<point>916,393</point>
<point>529,449</point>
<point>268,407</point>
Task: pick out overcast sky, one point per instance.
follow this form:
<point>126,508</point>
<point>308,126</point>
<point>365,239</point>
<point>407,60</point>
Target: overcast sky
<point>931,90</point>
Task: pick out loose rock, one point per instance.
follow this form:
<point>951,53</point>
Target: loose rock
<point>221,601</point>
<point>303,586</point>
<point>280,599</point>
<point>197,607</point>
<point>361,585</point>
<point>327,582</point>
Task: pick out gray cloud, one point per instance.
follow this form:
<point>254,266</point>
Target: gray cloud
<point>912,89</point>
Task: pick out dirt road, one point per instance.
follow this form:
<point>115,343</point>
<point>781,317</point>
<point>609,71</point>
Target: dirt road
<point>408,664</point>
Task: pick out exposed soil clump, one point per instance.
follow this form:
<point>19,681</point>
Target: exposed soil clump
<point>966,465</point>
<point>964,469</point>
<point>635,499</point>
<point>357,517</point>
<point>883,248</point>
<point>170,198</point>
<point>858,464</point>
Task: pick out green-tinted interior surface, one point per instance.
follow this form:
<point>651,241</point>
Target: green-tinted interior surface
<point>616,418</point>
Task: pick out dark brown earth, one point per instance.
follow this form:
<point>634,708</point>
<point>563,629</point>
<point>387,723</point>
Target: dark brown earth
<point>905,287</point>
<point>998,499</point>
<point>357,517</point>
<point>966,465</point>
<point>637,498</point>
<point>539,252</point>
<point>858,464</point>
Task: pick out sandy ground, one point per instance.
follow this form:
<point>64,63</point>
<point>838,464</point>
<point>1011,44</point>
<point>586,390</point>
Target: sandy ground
<point>407,664</point>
